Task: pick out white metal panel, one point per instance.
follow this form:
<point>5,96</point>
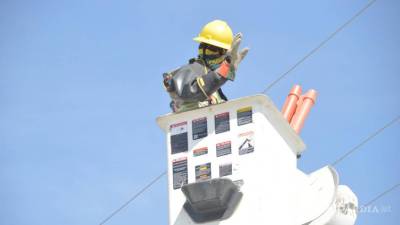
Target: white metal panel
<point>316,193</point>
<point>265,172</point>
<point>274,190</point>
<point>269,109</point>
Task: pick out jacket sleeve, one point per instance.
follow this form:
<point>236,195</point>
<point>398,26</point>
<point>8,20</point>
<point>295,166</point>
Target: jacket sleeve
<point>194,83</point>
<point>208,83</point>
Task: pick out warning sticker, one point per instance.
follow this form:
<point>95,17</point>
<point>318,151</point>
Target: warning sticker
<point>179,137</point>
<point>244,116</point>
<point>199,128</point>
<point>223,148</point>
<point>203,172</point>
<point>246,141</point>
<point>222,123</point>
<point>225,170</point>
<point>200,151</point>
<point>180,172</point>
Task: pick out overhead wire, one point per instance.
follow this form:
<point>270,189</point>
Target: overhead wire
<point>319,46</point>
<point>387,191</point>
<point>133,197</point>
<point>370,137</point>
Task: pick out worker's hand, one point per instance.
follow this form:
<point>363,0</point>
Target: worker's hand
<point>233,54</point>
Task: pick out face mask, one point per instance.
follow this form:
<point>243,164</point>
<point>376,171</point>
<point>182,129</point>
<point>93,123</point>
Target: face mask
<point>212,56</point>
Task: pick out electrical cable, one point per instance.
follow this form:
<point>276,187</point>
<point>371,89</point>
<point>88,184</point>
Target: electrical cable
<point>370,137</point>
<point>319,46</point>
<point>381,195</point>
<point>133,197</point>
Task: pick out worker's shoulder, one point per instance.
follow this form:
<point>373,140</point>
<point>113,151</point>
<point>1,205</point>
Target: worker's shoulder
<point>193,66</point>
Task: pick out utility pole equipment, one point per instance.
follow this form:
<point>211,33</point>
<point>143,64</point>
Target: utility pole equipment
<point>235,163</point>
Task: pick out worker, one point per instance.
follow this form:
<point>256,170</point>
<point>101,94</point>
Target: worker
<point>198,83</point>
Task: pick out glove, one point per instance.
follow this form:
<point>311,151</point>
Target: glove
<point>235,56</point>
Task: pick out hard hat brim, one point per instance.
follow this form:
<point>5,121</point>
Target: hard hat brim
<point>212,42</point>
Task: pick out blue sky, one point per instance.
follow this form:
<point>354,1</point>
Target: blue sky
<point>80,88</point>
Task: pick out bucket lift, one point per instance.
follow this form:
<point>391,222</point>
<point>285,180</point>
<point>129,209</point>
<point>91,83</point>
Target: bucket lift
<point>235,163</point>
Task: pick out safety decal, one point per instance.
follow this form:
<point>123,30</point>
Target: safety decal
<point>199,128</point>
<point>200,151</point>
<point>179,137</point>
<point>223,148</point>
<point>222,122</point>
<point>180,172</point>
<point>244,116</point>
<point>203,172</point>
<point>225,170</point>
<point>246,141</point>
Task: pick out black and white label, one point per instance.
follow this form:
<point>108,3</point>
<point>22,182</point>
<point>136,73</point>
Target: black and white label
<point>244,116</point>
<point>222,122</point>
<point>199,128</point>
<point>200,151</point>
<point>225,170</point>
<point>179,137</point>
<point>203,172</point>
<point>223,148</point>
<point>179,172</point>
<point>246,141</point>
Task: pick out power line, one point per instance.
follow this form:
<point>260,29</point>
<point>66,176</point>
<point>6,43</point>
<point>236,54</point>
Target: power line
<point>320,45</point>
<point>134,197</point>
<point>370,137</point>
<point>381,195</point>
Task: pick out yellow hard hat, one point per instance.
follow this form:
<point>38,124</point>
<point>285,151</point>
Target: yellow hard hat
<point>216,33</point>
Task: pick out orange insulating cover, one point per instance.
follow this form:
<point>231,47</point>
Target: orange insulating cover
<point>290,105</point>
<point>304,107</point>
